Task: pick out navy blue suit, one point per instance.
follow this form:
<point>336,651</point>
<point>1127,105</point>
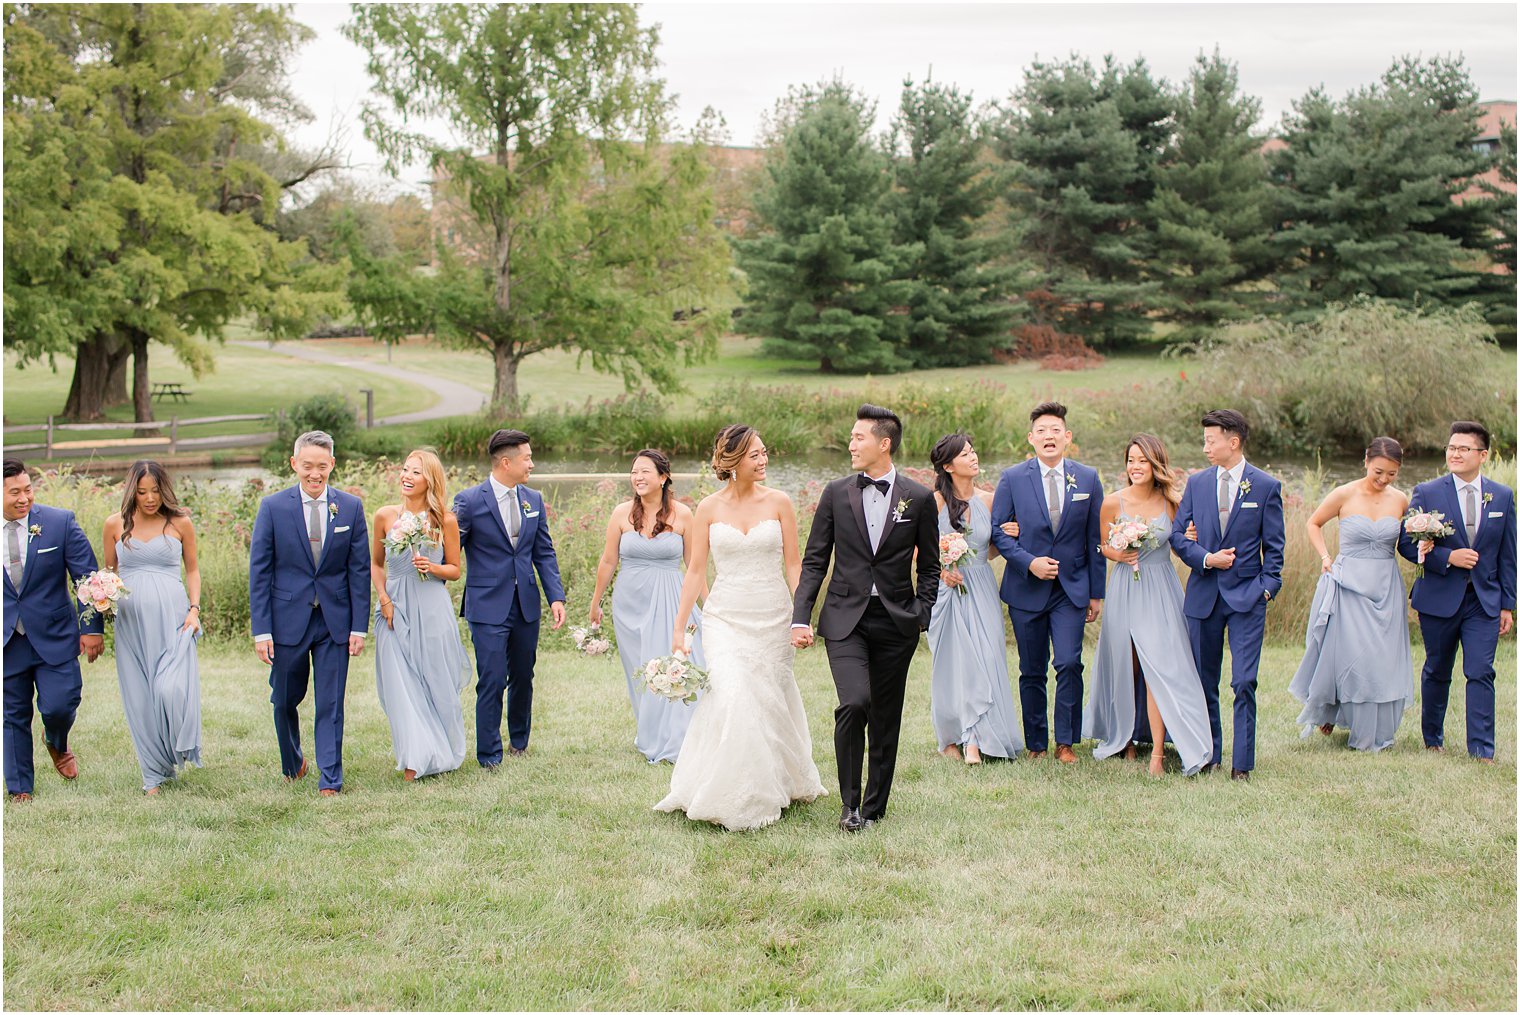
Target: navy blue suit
<point>1231,600</point>
<point>44,660</point>
<point>1049,615</point>
<point>309,608</point>
<point>502,605</point>
<point>1460,606</point>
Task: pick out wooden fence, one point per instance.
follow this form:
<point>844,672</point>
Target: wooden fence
<point>171,443</point>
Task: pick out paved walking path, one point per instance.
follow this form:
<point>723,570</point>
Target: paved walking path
<point>453,398</point>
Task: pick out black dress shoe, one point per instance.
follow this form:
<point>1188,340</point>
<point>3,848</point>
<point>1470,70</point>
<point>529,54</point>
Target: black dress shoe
<point>1241,774</point>
<point>1212,766</point>
<point>850,819</point>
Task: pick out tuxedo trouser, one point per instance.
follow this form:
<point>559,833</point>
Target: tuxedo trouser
<point>318,657</point>
<point>870,670</point>
<point>1245,632</point>
<point>1057,629</point>
<point>504,658</point>
<point>57,690</point>
<point>1478,635</point>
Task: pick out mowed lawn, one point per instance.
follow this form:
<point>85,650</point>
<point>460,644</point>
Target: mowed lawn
<point>245,381</point>
<point>1332,880</point>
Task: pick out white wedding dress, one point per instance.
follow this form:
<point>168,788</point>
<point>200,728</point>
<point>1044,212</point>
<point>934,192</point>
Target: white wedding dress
<point>747,753</point>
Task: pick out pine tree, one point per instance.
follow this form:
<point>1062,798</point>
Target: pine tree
<point>822,273</point>
<point>1211,209</point>
<point>1367,186</point>
<point>1081,149</point>
<point>958,306</point>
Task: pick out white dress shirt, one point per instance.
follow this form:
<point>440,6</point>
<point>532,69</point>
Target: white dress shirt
<point>875,504</point>
<point>503,505</point>
<point>1477,489</point>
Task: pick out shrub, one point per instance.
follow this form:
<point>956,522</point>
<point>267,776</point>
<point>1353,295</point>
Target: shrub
<point>329,411</point>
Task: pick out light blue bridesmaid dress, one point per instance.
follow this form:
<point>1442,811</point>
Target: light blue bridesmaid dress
<point>420,667</point>
<point>1357,670</point>
<point>1148,615</point>
<point>156,665</point>
<point>645,599</point>
<point>970,698</point>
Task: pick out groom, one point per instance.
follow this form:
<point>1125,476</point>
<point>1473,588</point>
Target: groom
<point>871,523</point>
<point>504,534</point>
<point>1237,568</point>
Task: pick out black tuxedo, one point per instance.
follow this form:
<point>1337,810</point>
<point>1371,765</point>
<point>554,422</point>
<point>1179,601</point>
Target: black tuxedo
<point>870,639</point>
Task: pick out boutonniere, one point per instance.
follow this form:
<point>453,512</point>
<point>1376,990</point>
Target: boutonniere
<point>36,530</point>
<point>332,509</point>
<point>1487,498</point>
<point>1245,487</point>
<point>1071,481</point>
<point>901,512</point>
<point>526,507</point>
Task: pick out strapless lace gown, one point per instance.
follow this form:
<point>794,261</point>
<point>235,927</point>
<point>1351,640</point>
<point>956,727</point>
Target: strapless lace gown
<point>1357,671</point>
<point>748,753</point>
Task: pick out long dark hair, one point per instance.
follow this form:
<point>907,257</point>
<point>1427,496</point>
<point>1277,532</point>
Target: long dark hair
<point>168,504</point>
<point>946,450</point>
<point>662,517</point>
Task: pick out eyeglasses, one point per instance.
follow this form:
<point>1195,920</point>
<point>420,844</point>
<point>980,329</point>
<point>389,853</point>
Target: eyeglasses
<point>1463,449</point>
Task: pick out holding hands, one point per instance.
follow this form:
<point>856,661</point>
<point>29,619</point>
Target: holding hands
<point>802,637</point>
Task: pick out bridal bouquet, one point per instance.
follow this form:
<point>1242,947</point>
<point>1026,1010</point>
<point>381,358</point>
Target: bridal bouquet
<point>1423,525</point>
<point>1131,534</point>
<point>100,591</point>
<point>410,534</point>
<point>675,677</point>
<point>589,640</point>
<point>953,552</point>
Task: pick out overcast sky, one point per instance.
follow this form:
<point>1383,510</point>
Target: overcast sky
<point>739,58</point>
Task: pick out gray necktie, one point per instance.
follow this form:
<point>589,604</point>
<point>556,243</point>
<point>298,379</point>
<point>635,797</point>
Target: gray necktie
<point>514,516</point>
<point>1053,499</point>
<point>1224,500</point>
<point>314,529</point>
<point>1470,509</point>
<point>13,558</point>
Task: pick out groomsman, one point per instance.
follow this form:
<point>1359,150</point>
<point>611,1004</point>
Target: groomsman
<point>308,593</point>
<point>1237,568</point>
<point>45,553</point>
<point>1053,582</point>
<point>1467,594</point>
<point>504,534</point>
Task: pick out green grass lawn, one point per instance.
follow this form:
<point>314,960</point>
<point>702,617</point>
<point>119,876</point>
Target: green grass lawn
<point>553,378</point>
<point>1332,880</point>
<point>244,381</point>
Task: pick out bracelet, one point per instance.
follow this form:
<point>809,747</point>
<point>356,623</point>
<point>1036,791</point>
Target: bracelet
<point>196,607</point>
<point>385,602</point>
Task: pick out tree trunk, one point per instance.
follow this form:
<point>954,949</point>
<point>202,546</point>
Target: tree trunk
<point>504,394</point>
<point>116,381</point>
<point>92,375</point>
<point>142,390</point>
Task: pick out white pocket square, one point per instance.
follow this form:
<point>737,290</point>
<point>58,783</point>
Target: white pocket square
<point>530,514</point>
<point>1496,514</point>
<point>1249,503</point>
<point>1080,496</point>
<point>47,549</point>
<point>342,528</point>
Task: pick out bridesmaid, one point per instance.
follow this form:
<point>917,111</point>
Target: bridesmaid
<point>647,543</point>
<point>1144,640</point>
<point>1357,671</point>
<point>420,663</point>
<point>157,624</point>
<point>970,699</point>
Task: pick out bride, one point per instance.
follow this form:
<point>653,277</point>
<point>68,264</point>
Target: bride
<point>748,754</point>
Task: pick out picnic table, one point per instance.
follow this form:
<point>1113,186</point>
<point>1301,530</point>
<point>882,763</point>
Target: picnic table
<point>170,389</point>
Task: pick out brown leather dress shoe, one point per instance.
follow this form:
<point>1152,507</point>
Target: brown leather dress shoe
<point>300,774</point>
<point>1034,755</point>
<point>20,798</point>
<point>328,792</point>
<point>1435,748</point>
<point>1239,773</point>
<point>65,762</point>
<point>1065,755</point>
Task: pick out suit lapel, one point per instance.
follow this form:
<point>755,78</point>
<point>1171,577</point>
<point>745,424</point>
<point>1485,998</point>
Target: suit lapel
<point>888,521</point>
<point>1240,496</point>
<point>853,494</point>
<point>1454,510</point>
<point>1068,490</point>
<point>492,507</point>
<point>1034,471</point>
<point>29,557</point>
<point>297,508</point>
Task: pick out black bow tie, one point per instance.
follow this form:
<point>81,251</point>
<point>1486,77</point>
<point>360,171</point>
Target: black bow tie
<point>864,481</point>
